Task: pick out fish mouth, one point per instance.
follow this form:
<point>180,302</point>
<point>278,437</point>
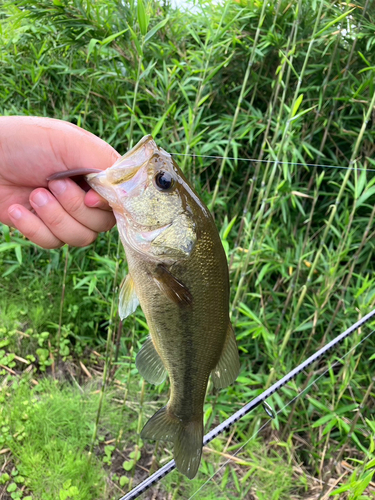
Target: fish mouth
<point>126,171</point>
<point>144,145</point>
<point>130,183</point>
<point>126,167</point>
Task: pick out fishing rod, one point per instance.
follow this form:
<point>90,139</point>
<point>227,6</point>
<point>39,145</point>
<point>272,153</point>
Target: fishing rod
<point>224,426</point>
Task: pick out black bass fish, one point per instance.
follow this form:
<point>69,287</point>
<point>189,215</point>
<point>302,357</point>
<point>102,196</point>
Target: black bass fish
<point>178,273</point>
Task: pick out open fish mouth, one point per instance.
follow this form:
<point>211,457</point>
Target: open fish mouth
<point>127,167</point>
<point>126,180</point>
<point>127,174</point>
<point>115,177</point>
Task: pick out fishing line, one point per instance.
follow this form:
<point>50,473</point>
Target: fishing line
<point>281,410</point>
<point>224,426</point>
<point>273,161</point>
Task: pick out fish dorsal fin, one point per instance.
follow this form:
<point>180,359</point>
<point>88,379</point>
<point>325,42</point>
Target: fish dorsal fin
<point>128,300</point>
<point>149,363</point>
<point>228,367</point>
<point>171,287</point>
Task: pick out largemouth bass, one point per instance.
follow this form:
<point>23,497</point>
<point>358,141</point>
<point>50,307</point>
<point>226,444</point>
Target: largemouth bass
<point>178,273</point>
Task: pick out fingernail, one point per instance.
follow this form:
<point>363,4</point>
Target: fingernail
<point>58,187</point>
<point>15,213</point>
<point>40,199</point>
<point>96,204</point>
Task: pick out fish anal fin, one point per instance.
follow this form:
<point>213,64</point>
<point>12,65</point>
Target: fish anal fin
<point>128,300</point>
<point>162,425</point>
<point>186,436</point>
<point>149,363</point>
<point>171,287</point>
<point>228,367</point>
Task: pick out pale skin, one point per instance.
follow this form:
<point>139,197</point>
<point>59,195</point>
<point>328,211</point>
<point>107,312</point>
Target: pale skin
<point>52,213</point>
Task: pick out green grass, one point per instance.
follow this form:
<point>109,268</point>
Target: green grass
<point>47,427</point>
<point>47,430</point>
<point>269,474</point>
<point>287,83</point>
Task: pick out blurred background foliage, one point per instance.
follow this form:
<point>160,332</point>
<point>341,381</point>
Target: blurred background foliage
<point>284,91</point>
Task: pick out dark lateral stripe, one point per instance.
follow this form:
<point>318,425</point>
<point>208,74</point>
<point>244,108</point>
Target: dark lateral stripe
<point>190,355</point>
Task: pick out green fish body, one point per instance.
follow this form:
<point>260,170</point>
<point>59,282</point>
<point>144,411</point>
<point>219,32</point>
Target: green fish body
<point>178,273</point>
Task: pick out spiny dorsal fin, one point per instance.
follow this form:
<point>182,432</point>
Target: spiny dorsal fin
<point>171,287</point>
<point>149,363</point>
<point>128,300</point>
<point>228,367</point>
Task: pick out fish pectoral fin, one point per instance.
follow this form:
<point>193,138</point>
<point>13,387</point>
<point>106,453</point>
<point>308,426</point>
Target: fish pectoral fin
<point>171,287</point>
<point>149,363</point>
<point>186,436</point>
<point>128,300</point>
<point>228,367</point>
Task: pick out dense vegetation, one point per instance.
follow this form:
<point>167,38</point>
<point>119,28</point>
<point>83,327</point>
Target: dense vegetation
<point>289,84</point>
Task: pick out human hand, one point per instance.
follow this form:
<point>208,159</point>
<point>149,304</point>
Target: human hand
<point>32,149</point>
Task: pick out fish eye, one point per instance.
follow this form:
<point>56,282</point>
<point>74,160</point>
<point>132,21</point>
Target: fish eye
<point>164,181</point>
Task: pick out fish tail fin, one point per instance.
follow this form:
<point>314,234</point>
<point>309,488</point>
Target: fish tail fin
<point>188,448</point>
<point>187,439</point>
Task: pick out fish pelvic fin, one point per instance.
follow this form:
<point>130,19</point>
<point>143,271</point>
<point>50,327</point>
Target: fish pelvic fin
<point>128,300</point>
<point>228,367</point>
<point>150,364</point>
<point>186,436</point>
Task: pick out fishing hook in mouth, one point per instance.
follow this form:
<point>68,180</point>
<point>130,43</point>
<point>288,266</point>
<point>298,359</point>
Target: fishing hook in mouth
<point>73,173</point>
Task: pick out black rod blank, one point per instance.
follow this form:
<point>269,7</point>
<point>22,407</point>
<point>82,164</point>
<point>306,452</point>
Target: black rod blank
<point>154,478</point>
